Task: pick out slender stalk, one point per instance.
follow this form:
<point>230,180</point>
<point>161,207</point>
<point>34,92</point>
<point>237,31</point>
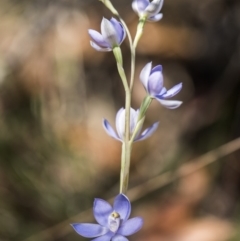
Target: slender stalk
<point>137,129</point>
<point>125,166</point>
<point>133,57</point>
<point>126,147</point>
<point>123,77</point>
<point>127,144</point>
<point>144,107</point>
<point>133,49</point>
<point>127,31</point>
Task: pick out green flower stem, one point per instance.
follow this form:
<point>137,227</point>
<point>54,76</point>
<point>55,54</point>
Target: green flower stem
<point>118,55</point>
<point>109,5</point>
<point>133,47</point>
<point>125,166</point>
<point>141,117</point>
<point>139,32</point>
<point>123,77</point>
<point>127,145</point>
<point>144,106</point>
<point>137,129</point>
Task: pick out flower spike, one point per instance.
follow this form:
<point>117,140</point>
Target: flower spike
<point>120,126</point>
<point>112,35</point>
<point>152,80</point>
<point>113,221</point>
<point>148,10</point>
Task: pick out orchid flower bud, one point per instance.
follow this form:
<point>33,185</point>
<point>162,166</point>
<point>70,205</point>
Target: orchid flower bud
<point>152,80</point>
<point>120,126</point>
<point>148,10</point>
<point>112,35</point>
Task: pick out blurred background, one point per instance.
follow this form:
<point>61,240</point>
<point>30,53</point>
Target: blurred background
<point>55,157</point>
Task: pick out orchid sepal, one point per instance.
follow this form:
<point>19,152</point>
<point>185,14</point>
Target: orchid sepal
<point>112,35</point>
<point>135,126</point>
<point>152,80</point>
<point>148,10</point>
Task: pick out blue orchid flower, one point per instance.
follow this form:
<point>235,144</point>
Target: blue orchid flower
<point>148,10</point>
<point>120,126</point>
<point>152,80</point>
<point>113,34</point>
<point>113,221</point>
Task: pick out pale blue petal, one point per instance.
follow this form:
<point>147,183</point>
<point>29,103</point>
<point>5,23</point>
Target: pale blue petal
<point>119,238</point>
<point>144,75</point>
<point>98,39</point>
<point>157,68</point>
<point>122,206</point>
<point>173,91</point>
<point>109,33</point>
<point>170,104</point>
<point>120,30</point>
<point>154,7</point>
<point>155,83</point>
<point>106,237</point>
<point>120,123</point>
<point>135,7</point>
<point>148,132</point>
<point>155,18</point>
<point>163,91</point>
<point>110,131</point>
<point>131,226</point>
<point>101,211</point>
<point>98,48</point>
<point>89,230</point>
<point>141,5</point>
